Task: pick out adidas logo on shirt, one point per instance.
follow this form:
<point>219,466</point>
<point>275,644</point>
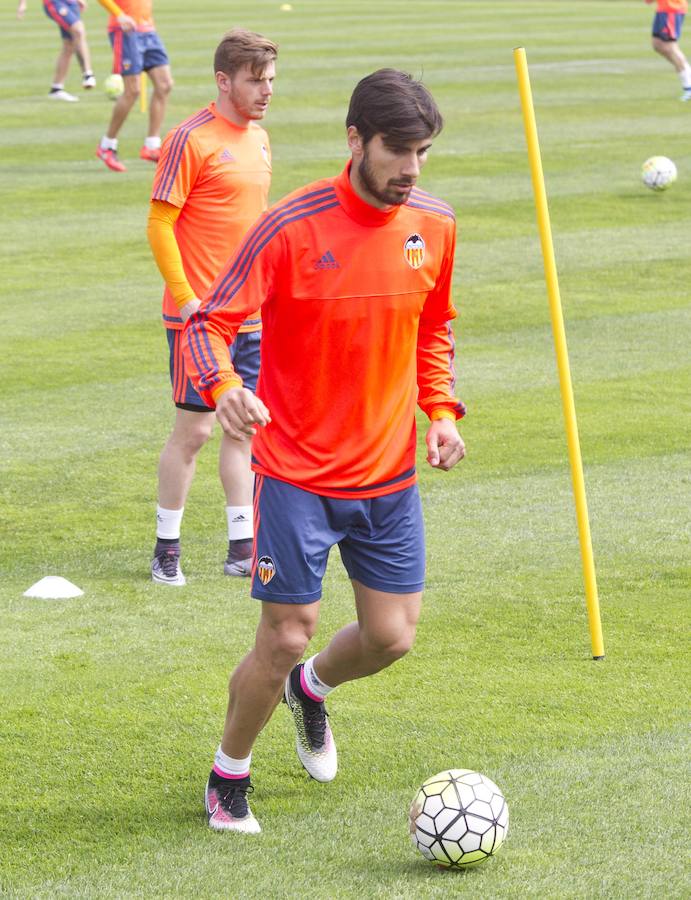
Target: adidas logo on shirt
<point>327,261</point>
<point>226,156</point>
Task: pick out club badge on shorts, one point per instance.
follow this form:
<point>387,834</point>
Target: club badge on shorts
<point>265,569</point>
<point>414,251</point>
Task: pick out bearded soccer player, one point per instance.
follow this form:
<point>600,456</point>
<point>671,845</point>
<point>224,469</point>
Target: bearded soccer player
<point>354,277</point>
<point>667,24</point>
<point>137,48</point>
<point>211,184</point>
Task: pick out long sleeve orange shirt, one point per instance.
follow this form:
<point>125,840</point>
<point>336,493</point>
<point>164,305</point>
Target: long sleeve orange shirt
<point>356,306</point>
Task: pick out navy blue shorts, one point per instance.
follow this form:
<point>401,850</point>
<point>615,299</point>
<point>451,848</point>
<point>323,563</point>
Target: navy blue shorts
<point>381,540</point>
<point>667,26</point>
<point>136,51</point>
<point>64,13</point>
<point>244,354</point>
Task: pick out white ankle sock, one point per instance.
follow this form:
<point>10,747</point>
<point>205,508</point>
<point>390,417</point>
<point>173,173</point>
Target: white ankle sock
<point>685,76</point>
<point>312,683</point>
<point>240,525</point>
<point>230,767</point>
<point>109,143</point>
<point>168,522</point>
<point>152,143</point>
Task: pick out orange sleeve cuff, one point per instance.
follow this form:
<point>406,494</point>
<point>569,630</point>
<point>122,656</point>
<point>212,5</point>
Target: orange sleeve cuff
<point>442,414</point>
<point>232,382</point>
<point>161,234</point>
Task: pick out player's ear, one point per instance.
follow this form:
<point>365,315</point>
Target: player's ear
<point>355,142</point>
<point>223,82</point>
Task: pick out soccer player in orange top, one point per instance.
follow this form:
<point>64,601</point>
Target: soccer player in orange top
<point>667,24</point>
<point>212,182</point>
<point>137,48</point>
<point>67,15</point>
<point>353,275</point>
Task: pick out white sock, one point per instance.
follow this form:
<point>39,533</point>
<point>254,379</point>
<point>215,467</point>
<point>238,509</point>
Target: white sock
<point>228,766</point>
<point>152,143</point>
<point>312,683</point>
<point>109,143</point>
<point>685,76</point>
<point>240,522</point>
<point>168,522</point>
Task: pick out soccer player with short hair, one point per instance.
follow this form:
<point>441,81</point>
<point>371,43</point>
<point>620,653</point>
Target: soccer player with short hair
<point>212,182</point>
<point>67,15</point>
<point>353,275</point>
<point>137,48</point>
<point>667,24</point>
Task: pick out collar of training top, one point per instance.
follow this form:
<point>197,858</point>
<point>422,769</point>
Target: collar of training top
<point>357,209</point>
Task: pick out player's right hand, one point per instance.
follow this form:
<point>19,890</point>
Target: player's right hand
<point>126,22</point>
<point>239,411</point>
<point>190,308</point>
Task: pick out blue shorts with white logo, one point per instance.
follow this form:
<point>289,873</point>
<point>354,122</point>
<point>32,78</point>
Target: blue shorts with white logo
<point>136,51</point>
<point>381,541</point>
<point>245,354</point>
<point>64,13</point>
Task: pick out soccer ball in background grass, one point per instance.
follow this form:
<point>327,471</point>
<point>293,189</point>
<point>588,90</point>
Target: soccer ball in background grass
<point>458,818</point>
<point>658,173</point>
<point>114,86</point>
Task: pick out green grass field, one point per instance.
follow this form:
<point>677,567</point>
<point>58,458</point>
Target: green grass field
<point>112,703</point>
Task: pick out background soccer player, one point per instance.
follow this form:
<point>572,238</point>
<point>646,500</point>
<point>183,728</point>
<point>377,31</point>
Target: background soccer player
<point>667,24</point>
<point>136,49</point>
<point>354,274</point>
<point>211,184</point>
<point>67,16</point>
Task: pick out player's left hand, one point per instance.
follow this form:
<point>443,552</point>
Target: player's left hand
<point>445,446</point>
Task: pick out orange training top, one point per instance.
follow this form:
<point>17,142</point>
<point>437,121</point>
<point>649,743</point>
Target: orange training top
<point>356,309</point>
<point>140,10</point>
<point>219,175</point>
<point>672,6</point>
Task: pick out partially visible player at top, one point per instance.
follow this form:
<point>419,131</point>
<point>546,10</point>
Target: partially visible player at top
<point>137,48</point>
<point>212,182</point>
<point>667,25</point>
<point>67,15</point>
<point>353,274</point>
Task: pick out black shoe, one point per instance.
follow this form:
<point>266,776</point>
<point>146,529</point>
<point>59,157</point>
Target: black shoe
<point>239,559</point>
<point>226,803</point>
<point>314,741</point>
<point>165,566</point>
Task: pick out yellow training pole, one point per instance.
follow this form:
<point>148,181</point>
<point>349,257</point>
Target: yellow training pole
<point>568,405</point>
<point>142,92</point>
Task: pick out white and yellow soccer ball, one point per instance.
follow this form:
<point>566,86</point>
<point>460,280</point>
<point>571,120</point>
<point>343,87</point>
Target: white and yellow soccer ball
<point>458,818</point>
<point>658,173</point>
<point>114,86</point>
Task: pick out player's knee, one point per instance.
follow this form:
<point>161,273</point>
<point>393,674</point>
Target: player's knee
<point>193,437</point>
<point>132,91</point>
<point>286,646</point>
<point>164,86</point>
<point>391,644</point>
<point>77,29</point>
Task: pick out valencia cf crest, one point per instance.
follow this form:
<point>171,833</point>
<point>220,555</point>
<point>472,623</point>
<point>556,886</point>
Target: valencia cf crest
<point>265,569</point>
<point>414,251</point>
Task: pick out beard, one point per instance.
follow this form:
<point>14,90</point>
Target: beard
<point>386,193</point>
